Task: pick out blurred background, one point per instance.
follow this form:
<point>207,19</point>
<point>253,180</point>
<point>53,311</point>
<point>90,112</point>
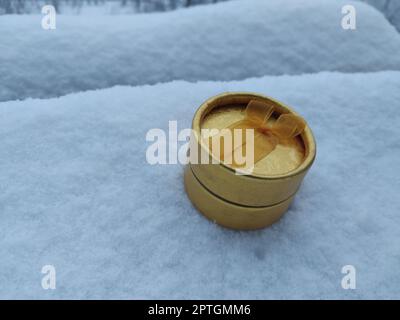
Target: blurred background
<point>98,6</point>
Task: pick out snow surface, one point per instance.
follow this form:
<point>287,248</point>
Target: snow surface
<point>228,41</point>
<point>77,193</point>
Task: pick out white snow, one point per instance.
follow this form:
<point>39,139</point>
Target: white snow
<point>227,41</point>
<point>77,193</point>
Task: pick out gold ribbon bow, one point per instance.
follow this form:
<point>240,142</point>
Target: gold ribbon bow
<point>267,135</point>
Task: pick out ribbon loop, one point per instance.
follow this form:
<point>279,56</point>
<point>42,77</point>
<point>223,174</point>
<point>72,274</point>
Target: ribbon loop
<point>288,126</point>
<point>259,112</point>
<point>266,136</point>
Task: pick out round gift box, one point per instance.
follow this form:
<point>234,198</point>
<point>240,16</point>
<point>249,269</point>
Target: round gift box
<point>228,214</point>
<point>245,201</point>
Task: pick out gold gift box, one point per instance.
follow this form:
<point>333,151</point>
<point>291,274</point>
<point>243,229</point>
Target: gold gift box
<point>252,201</point>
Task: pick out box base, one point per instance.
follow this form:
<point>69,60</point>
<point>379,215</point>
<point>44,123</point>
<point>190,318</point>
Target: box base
<point>228,214</point>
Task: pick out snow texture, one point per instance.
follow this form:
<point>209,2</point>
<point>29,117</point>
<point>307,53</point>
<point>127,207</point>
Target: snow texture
<point>227,41</point>
<point>76,192</point>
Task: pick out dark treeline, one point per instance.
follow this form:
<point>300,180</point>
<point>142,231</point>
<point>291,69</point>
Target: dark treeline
<point>28,6</point>
<point>163,5</point>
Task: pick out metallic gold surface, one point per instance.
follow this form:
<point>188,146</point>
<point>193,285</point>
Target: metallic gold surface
<point>274,179</point>
<point>286,156</point>
<point>246,201</point>
<point>230,215</point>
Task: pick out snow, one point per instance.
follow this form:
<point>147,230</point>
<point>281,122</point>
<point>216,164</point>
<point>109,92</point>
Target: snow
<point>77,193</point>
<point>227,41</point>
<point>390,8</point>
